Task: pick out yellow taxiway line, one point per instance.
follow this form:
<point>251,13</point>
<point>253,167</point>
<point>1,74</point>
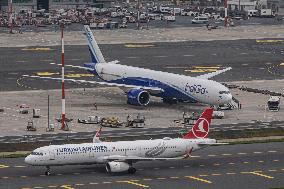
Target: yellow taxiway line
<point>199,179</point>
<point>269,41</point>
<point>3,166</point>
<point>135,183</point>
<point>258,174</point>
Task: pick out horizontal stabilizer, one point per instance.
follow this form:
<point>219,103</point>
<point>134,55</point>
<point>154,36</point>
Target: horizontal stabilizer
<point>149,89</point>
<point>209,75</point>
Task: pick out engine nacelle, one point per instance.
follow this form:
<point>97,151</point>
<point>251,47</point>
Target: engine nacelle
<point>116,167</point>
<point>138,97</point>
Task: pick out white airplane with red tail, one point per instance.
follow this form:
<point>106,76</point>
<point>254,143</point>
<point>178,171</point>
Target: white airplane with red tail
<point>120,156</point>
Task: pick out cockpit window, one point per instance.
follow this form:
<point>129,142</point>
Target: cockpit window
<point>224,92</point>
<point>37,153</point>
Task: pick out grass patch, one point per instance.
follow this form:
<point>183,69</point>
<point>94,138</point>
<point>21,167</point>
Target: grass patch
<point>257,141</point>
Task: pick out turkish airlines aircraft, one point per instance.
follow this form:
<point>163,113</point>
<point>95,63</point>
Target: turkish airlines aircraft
<point>140,83</point>
<point>120,156</point>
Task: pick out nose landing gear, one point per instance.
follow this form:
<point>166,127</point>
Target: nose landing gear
<point>47,172</point>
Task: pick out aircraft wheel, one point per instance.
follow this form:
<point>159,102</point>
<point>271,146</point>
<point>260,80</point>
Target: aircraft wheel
<point>47,173</point>
<point>131,170</point>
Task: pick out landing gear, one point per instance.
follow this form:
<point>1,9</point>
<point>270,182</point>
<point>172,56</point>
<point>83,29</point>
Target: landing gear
<point>47,172</point>
<point>131,170</point>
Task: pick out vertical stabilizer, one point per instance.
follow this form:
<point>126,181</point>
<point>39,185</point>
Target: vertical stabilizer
<point>96,54</point>
<point>201,127</point>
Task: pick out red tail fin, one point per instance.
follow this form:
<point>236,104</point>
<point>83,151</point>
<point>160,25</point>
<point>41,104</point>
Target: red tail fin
<point>201,127</point>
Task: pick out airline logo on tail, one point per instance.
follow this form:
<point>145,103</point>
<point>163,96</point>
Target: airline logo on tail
<point>201,127</point>
<point>96,54</point>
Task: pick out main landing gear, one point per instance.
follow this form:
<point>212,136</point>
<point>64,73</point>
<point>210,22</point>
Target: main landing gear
<point>47,172</point>
<point>131,170</point>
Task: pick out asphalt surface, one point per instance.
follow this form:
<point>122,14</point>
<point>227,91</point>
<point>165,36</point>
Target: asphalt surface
<point>251,166</point>
<point>250,60</point>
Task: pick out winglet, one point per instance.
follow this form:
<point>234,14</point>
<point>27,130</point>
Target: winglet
<point>201,127</point>
<point>96,138</point>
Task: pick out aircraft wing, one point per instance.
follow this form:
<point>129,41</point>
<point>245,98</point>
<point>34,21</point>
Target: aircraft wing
<point>212,74</point>
<point>149,89</point>
<point>137,158</point>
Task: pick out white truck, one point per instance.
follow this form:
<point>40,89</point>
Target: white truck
<point>273,103</point>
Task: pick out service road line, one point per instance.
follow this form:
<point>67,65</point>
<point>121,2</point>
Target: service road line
<point>199,179</point>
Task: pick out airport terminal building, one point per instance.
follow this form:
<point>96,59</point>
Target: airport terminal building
<point>52,4</point>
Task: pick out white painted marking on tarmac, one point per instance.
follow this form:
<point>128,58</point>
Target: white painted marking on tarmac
<point>272,151</point>
<point>212,155</point>
<point>160,56</point>
<point>189,55</point>
<point>244,64</point>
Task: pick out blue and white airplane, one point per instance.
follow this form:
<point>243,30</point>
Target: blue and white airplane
<point>139,83</point>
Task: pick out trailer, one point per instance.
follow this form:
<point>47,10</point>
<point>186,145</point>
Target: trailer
<point>266,13</point>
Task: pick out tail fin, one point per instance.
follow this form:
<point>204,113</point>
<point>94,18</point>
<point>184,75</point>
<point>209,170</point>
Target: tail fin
<point>96,54</point>
<point>201,127</point>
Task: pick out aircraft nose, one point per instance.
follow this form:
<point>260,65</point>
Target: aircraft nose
<point>28,160</point>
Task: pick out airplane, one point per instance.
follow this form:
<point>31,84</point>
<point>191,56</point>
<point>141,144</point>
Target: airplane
<point>139,83</point>
<point>120,156</point>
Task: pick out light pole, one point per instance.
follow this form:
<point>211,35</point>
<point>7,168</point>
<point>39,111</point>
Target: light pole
<point>11,15</point>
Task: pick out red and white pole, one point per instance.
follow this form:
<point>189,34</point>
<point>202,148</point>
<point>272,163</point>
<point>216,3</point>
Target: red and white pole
<point>62,84</point>
<point>226,12</point>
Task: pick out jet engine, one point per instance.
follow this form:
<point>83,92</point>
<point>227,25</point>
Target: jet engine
<point>138,97</point>
<point>116,167</point>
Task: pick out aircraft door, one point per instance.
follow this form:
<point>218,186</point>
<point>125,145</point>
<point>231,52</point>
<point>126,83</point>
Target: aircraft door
<point>51,154</point>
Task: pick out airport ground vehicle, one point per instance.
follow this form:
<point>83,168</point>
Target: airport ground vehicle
<point>252,13</point>
<point>120,156</point>
<point>90,120</point>
<point>266,13</point>
<point>170,18</point>
<point>200,20</point>
<point>273,103</point>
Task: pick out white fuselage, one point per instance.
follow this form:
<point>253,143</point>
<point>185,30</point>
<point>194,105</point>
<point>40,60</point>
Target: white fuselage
<point>91,153</point>
<point>175,86</point>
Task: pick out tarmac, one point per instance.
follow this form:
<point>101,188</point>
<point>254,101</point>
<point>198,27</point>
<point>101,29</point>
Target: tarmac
<point>111,102</point>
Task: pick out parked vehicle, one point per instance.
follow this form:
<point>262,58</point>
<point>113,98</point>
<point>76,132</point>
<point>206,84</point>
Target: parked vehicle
<point>266,13</point>
<point>273,103</point>
<point>252,13</point>
<point>200,20</point>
